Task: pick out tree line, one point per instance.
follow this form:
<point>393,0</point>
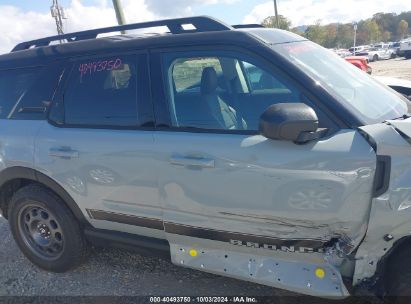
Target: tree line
<point>380,27</point>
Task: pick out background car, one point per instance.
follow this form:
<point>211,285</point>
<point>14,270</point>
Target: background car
<point>405,48</point>
<point>360,62</point>
<point>375,54</point>
<point>342,52</point>
<point>356,49</point>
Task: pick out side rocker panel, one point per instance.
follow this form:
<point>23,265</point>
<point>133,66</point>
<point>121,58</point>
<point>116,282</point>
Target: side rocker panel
<point>311,275</point>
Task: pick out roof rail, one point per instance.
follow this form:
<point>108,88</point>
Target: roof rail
<point>175,26</point>
<point>244,26</point>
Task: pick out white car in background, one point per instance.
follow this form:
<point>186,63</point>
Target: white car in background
<point>342,52</point>
<point>405,48</point>
<point>357,49</point>
<point>389,47</point>
<point>375,54</point>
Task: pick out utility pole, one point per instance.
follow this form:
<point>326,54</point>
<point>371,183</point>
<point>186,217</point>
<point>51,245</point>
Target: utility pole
<point>277,21</point>
<point>119,13</point>
<point>355,24</point>
<point>57,12</point>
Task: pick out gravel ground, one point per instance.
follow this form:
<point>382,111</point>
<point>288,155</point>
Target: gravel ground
<point>114,272</point>
<point>398,68</point>
<point>111,272</point>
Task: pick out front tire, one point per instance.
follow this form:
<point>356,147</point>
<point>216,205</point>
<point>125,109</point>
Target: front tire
<point>398,276</point>
<point>375,58</point>
<point>45,229</point>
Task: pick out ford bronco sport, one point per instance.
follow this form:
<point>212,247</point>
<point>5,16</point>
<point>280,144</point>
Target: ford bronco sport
<point>237,150</point>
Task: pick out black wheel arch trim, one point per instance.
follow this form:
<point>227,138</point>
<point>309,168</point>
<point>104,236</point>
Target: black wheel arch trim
<point>18,172</point>
<point>377,284</point>
<point>382,175</point>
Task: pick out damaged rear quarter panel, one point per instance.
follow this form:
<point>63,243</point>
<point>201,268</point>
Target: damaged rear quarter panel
<point>391,211</point>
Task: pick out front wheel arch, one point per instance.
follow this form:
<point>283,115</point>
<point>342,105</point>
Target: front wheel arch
<point>379,283</point>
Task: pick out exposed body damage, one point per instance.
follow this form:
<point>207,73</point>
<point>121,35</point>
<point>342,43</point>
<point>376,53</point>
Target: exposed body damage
<point>306,208</point>
<point>390,212</point>
<point>312,275</point>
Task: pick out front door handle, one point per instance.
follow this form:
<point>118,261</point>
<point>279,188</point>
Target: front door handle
<point>189,161</point>
<point>63,153</point>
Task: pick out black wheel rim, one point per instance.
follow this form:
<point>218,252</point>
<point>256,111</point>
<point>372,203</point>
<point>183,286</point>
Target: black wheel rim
<point>41,232</point>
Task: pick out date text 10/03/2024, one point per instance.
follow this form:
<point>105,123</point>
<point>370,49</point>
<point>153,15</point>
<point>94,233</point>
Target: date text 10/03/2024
<point>239,299</point>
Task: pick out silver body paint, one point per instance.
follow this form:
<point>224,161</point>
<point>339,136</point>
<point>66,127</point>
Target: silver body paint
<point>248,185</point>
<point>112,172</point>
<point>257,186</point>
<point>298,217</point>
<point>270,188</point>
<point>390,212</point>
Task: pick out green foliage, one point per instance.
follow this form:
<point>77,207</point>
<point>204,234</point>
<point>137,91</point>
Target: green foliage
<point>316,33</point>
<point>402,28</point>
<point>283,22</point>
<point>380,27</point>
<point>372,30</point>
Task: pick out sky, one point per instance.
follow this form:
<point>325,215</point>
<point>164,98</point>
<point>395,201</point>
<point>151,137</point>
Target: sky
<point>22,20</point>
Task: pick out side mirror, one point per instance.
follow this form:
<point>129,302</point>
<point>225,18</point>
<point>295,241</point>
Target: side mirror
<point>295,122</point>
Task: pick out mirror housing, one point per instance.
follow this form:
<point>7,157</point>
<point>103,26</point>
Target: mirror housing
<point>295,122</point>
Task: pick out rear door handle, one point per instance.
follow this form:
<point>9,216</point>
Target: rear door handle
<point>201,162</point>
<point>63,153</point>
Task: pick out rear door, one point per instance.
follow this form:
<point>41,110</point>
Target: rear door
<point>221,181</point>
<point>98,141</point>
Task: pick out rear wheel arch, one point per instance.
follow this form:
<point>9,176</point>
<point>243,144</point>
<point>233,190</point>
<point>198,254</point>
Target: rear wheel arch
<point>14,178</point>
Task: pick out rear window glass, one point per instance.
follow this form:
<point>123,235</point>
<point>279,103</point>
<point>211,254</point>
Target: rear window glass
<point>102,92</point>
<point>13,86</point>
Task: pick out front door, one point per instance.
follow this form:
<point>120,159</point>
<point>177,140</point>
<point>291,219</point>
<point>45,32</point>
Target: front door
<point>221,181</point>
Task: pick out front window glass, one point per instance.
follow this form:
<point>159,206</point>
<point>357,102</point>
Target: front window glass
<point>371,101</point>
<point>187,72</point>
<point>223,92</point>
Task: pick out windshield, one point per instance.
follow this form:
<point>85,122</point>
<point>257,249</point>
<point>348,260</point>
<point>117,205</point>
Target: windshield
<point>371,101</point>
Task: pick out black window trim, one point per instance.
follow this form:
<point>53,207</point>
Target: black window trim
<point>163,115</point>
<point>40,66</point>
<point>69,68</point>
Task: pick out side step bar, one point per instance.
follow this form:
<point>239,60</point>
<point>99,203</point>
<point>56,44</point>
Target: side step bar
<point>140,244</point>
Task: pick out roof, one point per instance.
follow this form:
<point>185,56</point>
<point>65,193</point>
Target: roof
<point>182,32</point>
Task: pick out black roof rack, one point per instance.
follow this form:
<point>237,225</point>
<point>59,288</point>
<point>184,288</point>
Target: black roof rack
<point>175,26</point>
<point>244,26</point>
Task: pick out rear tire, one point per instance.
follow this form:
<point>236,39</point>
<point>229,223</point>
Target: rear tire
<point>45,229</point>
<point>375,58</point>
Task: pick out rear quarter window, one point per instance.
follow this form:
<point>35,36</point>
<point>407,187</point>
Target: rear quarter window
<point>14,84</point>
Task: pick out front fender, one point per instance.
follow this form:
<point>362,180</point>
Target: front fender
<point>390,216</point>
